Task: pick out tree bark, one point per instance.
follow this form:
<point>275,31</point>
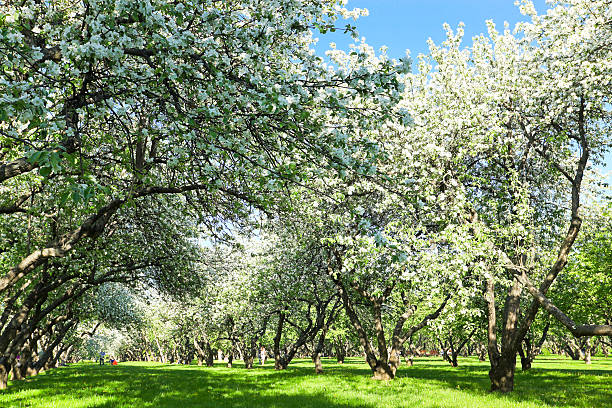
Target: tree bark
<point>340,348</point>
<point>573,350</point>
<point>316,358</point>
<point>316,354</point>
<point>249,354</point>
<point>230,357</point>
<point>503,364</point>
<point>482,352</point>
<point>210,354</point>
<point>279,363</point>
<point>525,360</point>
<point>162,353</point>
<point>502,373</point>
<point>455,352</point>
<point>4,373</point>
<point>199,352</point>
<point>409,354</point>
<point>587,351</point>
<point>531,351</point>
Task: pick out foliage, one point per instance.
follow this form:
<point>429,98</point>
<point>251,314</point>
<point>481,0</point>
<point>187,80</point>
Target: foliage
<point>585,288</point>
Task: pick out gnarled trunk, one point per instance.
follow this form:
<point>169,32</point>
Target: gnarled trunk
<point>503,364</point>
<point>210,355</point>
<point>230,358</point>
<point>249,351</point>
<point>409,353</point>
<point>587,356</point>
<point>383,371</point>
<point>587,351</point>
<point>4,373</point>
<point>574,350</point>
<point>340,351</point>
<point>482,352</point>
<point>249,357</point>
<point>199,351</point>
<point>316,359</point>
<point>454,362</point>
<point>280,363</point>
<point>502,373</point>
<point>531,351</point>
<point>448,353</point>
<point>526,359</point>
<point>316,353</point>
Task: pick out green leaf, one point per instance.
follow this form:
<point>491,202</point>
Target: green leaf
<point>54,161</point>
<point>76,196</point>
<point>33,156</point>
<point>45,171</point>
<point>64,197</point>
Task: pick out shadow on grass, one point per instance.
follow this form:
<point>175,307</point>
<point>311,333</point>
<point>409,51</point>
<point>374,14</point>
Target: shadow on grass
<point>173,386</point>
<point>164,385</point>
<point>554,386</point>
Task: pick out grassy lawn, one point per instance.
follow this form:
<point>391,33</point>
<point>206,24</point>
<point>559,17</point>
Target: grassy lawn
<point>553,382</point>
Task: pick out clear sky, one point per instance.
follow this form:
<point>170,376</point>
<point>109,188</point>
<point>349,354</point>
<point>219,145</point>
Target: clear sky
<point>407,24</point>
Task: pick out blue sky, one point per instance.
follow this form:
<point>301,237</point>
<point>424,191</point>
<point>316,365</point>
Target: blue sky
<point>407,24</point>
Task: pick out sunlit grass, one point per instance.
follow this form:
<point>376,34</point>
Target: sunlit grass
<point>553,382</point>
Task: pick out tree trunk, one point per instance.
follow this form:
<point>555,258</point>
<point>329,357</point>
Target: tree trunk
<point>199,351</point>
<point>316,358</point>
<point>531,351</point>
<point>340,351</point>
<point>482,352</point>
<point>455,351</point>
<point>230,358</point>
<point>454,361</point>
<point>502,373</point>
<point>408,353</point>
<point>210,355</point>
<point>68,353</point>
<point>316,353</point>
<point>525,358</point>
<point>575,350</point>
<point>249,356</point>
<point>3,376</point>
<point>383,371</point>
<point>503,364</point>
<point>280,363</point>
<point>248,362</point>
<point>587,351</point>
<point>162,354</point>
<point>570,352</point>
<point>278,360</point>
<point>395,360</point>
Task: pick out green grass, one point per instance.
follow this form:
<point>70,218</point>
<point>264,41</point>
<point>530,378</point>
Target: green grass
<point>553,382</point>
